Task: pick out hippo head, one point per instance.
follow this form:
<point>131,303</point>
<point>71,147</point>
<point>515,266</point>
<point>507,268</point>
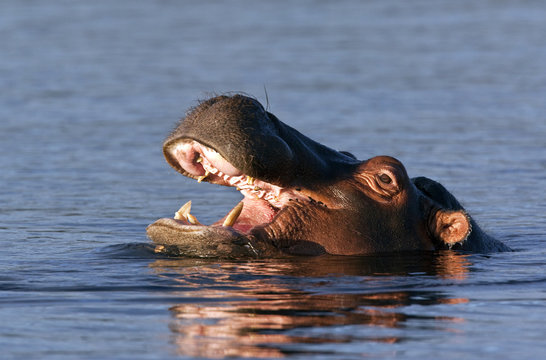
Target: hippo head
<point>299,197</point>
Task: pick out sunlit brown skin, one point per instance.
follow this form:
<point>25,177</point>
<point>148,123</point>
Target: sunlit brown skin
<point>354,217</point>
<point>330,202</point>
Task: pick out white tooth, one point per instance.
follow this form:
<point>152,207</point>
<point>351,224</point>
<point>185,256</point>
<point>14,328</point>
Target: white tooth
<point>193,220</point>
<point>201,178</point>
<point>177,216</point>
<point>234,180</point>
<point>233,215</point>
<point>183,212</point>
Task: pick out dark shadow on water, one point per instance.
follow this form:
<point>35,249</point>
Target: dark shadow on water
<point>136,250</point>
<point>273,308</point>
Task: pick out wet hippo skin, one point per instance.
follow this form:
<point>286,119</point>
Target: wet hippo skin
<point>301,197</point>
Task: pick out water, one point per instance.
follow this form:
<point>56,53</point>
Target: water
<point>455,90</point>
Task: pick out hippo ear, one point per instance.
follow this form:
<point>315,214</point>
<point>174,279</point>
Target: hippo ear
<point>450,227</point>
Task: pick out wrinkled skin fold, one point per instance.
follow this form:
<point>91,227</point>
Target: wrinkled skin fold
<point>301,197</point>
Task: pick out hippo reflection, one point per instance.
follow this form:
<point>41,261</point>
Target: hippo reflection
<point>301,197</point>
<point>253,309</point>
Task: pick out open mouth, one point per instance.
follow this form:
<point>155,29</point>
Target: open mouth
<point>262,201</point>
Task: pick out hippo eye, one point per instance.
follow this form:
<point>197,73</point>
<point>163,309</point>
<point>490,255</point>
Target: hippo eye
<point>386,179</point>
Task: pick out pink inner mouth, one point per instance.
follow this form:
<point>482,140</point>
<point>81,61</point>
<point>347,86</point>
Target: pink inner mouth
<point>255,213</point>
<point>262,201</point>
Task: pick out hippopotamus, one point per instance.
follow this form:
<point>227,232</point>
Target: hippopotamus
<point>301,197</point>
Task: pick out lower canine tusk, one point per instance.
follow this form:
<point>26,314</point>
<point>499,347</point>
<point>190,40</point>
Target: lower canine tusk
<point>233,215</point>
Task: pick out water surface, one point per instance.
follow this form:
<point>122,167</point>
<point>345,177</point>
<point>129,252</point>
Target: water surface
<point>455,90</point>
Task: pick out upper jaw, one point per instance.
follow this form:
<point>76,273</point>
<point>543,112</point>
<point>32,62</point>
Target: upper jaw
<point>203,163</point>
<point>257,143</point>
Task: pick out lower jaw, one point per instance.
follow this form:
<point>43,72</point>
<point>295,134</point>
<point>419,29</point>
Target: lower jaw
<point>185,230</point>
<point>174,238</point>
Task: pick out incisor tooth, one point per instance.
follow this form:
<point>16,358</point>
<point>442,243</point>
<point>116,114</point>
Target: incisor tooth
<point>183,212</point>
<point>233,215</point>
<point>177,216</point>
<point>192,220</point>
<point>201,178</point>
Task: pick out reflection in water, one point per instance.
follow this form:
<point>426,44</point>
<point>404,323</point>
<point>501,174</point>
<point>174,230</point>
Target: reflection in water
<point>257,309</point>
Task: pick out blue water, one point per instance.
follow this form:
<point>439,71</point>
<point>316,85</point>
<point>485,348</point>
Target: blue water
<point>455,90</point>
